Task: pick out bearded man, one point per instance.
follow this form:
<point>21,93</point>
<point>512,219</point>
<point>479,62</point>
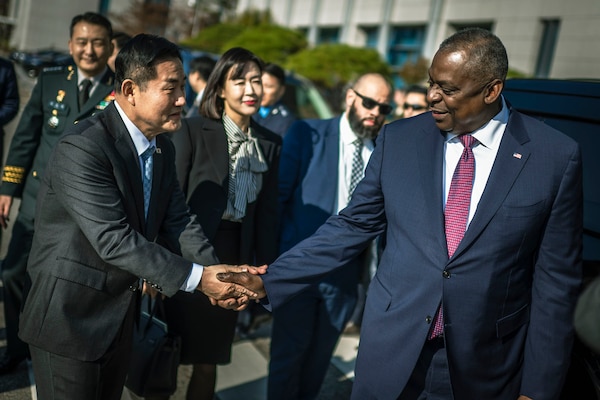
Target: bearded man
<point>321,163</point>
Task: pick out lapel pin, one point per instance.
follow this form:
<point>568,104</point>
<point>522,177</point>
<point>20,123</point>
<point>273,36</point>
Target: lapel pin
<point>158,150</point>
<point>517,155</point>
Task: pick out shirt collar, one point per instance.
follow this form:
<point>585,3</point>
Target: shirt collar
<point>490,134</point>
<point>140,141</point>
<point>94,79</point>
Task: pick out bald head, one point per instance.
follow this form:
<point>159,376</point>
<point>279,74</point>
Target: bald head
<point>368,103</point>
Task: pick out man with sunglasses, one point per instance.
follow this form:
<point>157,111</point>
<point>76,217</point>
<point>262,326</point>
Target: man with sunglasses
<point>415,101</point>
<point>315,182</point>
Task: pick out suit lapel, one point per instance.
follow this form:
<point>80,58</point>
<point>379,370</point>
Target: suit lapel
<point>157,186</point>
<point>430,159</point>
<point>104,88</point>
<point>510,160</point>
<point>330,157</point>
<point>128,153</point>
<point>216,140</point>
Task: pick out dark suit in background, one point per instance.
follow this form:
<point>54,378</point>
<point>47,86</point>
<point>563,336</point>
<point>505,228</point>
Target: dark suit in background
<point>52,108</point>
<point>321,162</point>
<point>278,120</point>
<point>9,97</point>
<point>306,330</point>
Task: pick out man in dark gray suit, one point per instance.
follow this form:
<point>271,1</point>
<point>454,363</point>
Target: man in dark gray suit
<point>93,240</point>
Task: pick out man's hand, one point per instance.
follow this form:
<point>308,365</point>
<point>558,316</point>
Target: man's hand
<point>249,279</point>
<point>232,295</point>
<point>5,203</point>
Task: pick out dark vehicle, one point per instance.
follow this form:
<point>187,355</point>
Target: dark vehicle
<point>301,95</point>
<point>34,61</point>
<point>571,106</point>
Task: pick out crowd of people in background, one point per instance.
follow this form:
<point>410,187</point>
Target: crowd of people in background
<point>352,216</point>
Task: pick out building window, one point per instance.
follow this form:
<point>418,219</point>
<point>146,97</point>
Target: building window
<point>406,44</point>
<point>328,35</point>
<point>550,31</point>
<point>371,36</point>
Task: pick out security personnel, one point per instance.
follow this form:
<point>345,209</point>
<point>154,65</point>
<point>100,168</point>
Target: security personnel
<point>273,114</point>
<point>61,97</point>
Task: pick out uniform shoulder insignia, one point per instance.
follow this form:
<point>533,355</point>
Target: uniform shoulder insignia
<point>283,110</point>
<point>54,69</point>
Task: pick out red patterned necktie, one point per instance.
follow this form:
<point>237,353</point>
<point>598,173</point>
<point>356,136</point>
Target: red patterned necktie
<point>456,214</point>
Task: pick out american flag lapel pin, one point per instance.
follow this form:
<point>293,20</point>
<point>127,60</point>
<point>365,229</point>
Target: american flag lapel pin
<point>517,155</point>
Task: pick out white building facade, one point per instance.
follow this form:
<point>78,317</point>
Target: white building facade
<point>544,38</point>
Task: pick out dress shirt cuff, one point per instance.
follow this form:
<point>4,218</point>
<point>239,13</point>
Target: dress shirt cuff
<point>193,279</point>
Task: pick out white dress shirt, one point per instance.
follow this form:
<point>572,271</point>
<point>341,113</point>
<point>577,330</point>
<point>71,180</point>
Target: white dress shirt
<point>347,137</point>
<point>489,137</point>
<point>141,144</point>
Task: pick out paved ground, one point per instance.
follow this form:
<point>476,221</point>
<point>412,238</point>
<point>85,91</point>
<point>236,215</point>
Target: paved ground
<point>244,378</point>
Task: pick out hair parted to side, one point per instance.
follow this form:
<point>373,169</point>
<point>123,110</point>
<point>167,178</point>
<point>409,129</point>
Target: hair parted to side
<point>233,60</point>
<point>138,58</point>
<point>486,55</point>
<point>91,18</point>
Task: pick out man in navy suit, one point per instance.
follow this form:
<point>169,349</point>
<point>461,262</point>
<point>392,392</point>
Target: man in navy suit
<point>315,182</point>
<point>506,294</point>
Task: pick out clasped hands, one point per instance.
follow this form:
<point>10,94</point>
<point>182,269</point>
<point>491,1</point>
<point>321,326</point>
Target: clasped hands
<point>232,287</point>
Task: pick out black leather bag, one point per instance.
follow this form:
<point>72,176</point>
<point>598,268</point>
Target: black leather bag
<point>155,355</point>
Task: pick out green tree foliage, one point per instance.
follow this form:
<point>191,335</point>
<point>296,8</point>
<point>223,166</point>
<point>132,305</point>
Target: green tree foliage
<point>333,66</point>
<point>213,38</point>
<point>272,43</point>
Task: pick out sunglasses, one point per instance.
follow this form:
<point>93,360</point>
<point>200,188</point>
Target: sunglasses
<point>416,107</point>
<point>370,104</point>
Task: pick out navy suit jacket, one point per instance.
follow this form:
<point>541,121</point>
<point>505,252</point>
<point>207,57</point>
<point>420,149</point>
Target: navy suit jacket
<point>509,290</point>
<point>308,178</point>
<point>308,188</point>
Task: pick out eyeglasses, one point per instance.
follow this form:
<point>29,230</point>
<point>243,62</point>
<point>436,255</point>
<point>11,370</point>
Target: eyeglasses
<point>370,104</point>
<point>415,107</point>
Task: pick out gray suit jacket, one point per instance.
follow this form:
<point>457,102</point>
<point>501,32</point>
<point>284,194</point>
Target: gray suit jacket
<point>91,242</point>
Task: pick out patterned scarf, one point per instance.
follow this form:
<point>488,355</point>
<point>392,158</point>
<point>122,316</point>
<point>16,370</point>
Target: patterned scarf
<point>246,165</point>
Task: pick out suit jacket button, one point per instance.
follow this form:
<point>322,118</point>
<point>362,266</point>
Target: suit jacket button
<point>446,274</point>
<point>428,319</point>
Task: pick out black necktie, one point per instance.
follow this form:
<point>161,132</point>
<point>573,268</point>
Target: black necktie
<point>84,92</point>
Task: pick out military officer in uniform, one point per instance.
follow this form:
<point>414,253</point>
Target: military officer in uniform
<point>61,97</point>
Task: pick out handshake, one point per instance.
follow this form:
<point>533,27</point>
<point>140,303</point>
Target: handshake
<point>232,287</point>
